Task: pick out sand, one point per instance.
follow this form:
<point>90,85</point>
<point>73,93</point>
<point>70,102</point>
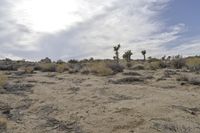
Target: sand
<point>76,103</point>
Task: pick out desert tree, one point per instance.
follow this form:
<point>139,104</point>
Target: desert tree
<point>144,54</point>
<point>116,50</point>
<point>127,55</point>
<point>163,58</point>
<point>169,58</point>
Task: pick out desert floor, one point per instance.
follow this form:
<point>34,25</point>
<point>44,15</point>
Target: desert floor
<point>140,101</point>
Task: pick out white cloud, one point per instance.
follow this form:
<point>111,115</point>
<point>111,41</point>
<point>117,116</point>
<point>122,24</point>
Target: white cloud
<point>85,28</point>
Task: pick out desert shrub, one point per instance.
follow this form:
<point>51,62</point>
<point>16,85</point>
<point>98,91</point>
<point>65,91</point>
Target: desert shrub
<point>193,63</point>
<point>178,62</point>
<point>154,65</point>
<point>163,64</point>
<point>128,65</point>
<point>150,59</point>
<point>74,68</point>
<point>60,62</point>
<point>128,80</point>
<point>194,80</point>
<point>182,77</point>
<point>28,69</point>
<point>3,80</point>
<point>47,67</point>
<point>73,61</point>
<point>85,70</point>
<point>61,68</point>
<point>3,125</point>
<point>115,67</point>
<point>138,67</point>
<point>101,69</point>
<point>46,60</point>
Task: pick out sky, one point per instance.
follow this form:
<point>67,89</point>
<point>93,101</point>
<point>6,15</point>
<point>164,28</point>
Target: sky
<point>78,29</point>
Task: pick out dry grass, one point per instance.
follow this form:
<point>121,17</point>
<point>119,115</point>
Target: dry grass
<point>193,63</point>
<point>60,68</point>
<point>154,65</point>
<point>100,69</point>
<point>28,69</point>
<point>47,67</point>
<point>3,124</point>
<point>3,80</point>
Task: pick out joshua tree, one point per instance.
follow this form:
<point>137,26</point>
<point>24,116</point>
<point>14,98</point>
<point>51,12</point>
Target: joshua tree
<point>169,58</point>
<point>144,54</point>
<point>164,58</point>
<point>127,55</point>
<point>116,49</point>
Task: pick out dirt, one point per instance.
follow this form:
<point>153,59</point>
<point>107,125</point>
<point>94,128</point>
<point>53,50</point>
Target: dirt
<point>131,102</point>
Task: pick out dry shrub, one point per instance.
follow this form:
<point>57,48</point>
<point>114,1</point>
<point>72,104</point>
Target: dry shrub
<point>47,67</point>
<point>183,77</point>
<point>100,68</point>
<point>154,65</point>
<point>85,70</point>
<point>3,124</point>
<point>178,62</point>
<point>75,68</point>
<point>191,79</point>
<point>3,80</point>
<point>28,69</point>
<point>138,67</point>
<point>60,68</point>
<point>115,67</point>
<point>193,63</point>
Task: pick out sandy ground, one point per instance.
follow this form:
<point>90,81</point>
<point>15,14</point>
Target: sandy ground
<point>75,103</point>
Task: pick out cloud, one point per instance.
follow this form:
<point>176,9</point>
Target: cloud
<point>136,24</point>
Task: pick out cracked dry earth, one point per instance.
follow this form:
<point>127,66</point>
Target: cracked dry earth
<point>132,102</point>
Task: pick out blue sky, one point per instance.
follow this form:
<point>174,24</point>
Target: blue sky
<point>184,11</point>
<point>65,29</point>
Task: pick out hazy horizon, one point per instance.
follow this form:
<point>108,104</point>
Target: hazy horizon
<point>77,29</point>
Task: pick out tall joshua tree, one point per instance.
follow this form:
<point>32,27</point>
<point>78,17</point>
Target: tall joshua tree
<point>127,55</point>
<point>144,54</point>
<point>116,49</point>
